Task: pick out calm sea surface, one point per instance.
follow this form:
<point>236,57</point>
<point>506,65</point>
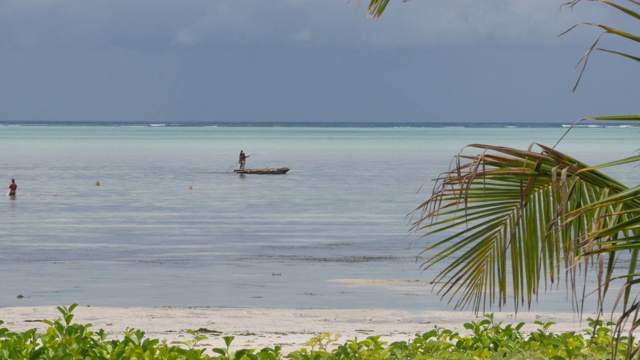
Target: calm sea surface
<point>170,225</point>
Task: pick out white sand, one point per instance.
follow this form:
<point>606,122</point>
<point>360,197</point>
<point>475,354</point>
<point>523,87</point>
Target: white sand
<point>258,328</point>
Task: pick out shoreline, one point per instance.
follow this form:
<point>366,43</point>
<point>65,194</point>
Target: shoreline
<point>257,328</point>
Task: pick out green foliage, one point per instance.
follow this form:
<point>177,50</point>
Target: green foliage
<point>67,340</point>
<point>484,339</point>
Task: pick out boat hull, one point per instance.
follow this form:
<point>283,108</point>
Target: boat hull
<point>263,171</point>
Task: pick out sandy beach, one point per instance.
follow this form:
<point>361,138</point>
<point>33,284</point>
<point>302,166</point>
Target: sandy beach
<point>258,328</point>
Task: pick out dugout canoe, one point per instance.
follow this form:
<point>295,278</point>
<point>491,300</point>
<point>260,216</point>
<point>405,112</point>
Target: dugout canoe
<point>263,171</point>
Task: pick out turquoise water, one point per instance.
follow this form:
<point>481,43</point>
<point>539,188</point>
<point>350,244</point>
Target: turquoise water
<point>170,225</point>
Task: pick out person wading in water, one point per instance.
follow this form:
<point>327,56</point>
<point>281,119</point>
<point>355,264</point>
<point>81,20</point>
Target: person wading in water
<point>13,187</point>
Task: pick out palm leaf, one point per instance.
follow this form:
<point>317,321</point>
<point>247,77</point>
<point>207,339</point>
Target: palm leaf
<point>524,204</point>
<point>614,118</point>
<point>635,58</point>
<point>607,30</point>
<point>622,8</point>
<point>377,7</point>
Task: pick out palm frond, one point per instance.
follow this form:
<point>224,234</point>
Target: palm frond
<point>513,220</point>
<point>622,8</point>
<point>607,30</point>
<point>377,7</point>
<point>615,118</point>
<point>635,58</point>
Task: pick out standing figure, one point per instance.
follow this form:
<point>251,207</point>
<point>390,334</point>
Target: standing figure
<point>242,159</point>
<point>13,187</point>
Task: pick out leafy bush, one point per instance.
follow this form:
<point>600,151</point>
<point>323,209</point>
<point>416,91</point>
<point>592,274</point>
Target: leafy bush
<point>485,339</point>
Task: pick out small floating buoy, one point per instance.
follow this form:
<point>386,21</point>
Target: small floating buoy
<point>97,183</point>
<point>190,187</point>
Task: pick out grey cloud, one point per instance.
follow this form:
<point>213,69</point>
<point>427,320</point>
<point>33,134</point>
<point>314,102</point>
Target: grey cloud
<point>298,60</point>
<point>415,23</point>
<point>464,22</point>
<point>160,24</point>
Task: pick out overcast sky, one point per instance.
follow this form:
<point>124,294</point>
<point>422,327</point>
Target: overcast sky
<point>308,60</point>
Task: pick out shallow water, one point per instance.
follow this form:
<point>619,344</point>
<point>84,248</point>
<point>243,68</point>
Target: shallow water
<point>170,225</point>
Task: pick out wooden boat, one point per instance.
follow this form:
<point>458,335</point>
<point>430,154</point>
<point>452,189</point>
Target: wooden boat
<point>263,171</point>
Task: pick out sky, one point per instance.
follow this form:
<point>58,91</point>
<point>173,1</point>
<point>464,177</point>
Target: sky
<point>309,61</point>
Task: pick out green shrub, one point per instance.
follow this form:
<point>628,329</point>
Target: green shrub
<point>485,339</point>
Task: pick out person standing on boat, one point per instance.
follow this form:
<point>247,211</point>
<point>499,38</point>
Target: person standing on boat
<point>13,187</point>
<point>242,159</point>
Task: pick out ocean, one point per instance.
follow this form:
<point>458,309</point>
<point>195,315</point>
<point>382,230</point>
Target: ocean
<point>121,214</point>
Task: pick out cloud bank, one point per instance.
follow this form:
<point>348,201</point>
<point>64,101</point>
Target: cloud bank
<point>159,24</point>
<point>301,60</point>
